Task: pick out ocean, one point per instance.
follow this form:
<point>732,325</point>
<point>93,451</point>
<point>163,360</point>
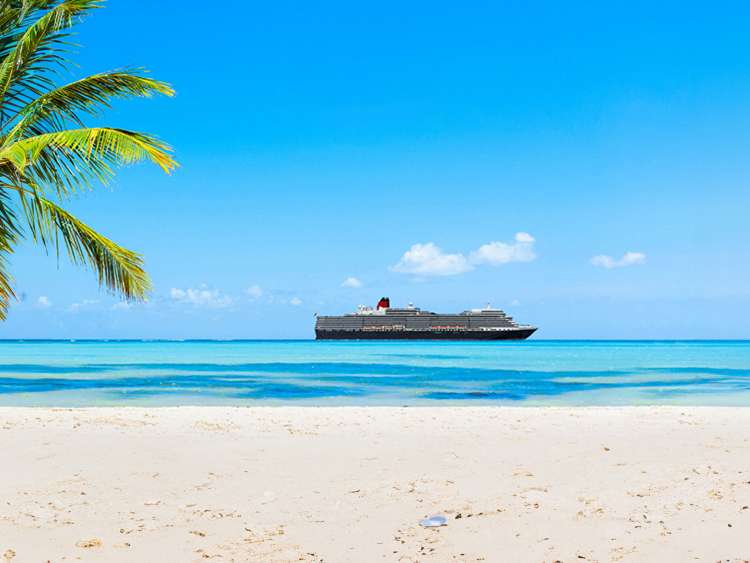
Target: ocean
<point>533,372</point>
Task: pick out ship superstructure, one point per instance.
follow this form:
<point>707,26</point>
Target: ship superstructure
<point>385,323</point>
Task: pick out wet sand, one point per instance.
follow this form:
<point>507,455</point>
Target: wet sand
<point>351,484</point>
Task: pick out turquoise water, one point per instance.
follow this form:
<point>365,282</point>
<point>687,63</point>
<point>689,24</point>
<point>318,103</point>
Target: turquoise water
<point>537,372</point>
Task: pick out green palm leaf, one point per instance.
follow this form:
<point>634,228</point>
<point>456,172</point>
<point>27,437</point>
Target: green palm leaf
<point>118,269</point>
<point>40,46</point>
<point>46,148</point>
<point>73,157</point>
<point>6,286</point>
<point>89,95</point>
<point>9,233</point>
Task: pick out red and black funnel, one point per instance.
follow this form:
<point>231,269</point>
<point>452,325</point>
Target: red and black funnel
<point>384,303</point>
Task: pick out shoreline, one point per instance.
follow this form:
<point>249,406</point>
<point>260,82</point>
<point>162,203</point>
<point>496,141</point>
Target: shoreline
<point>350,483</point>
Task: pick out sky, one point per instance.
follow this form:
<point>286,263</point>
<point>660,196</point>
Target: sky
<point>583,166</point>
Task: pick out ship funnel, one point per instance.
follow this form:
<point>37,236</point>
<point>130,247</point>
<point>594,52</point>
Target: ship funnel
<point>384,303</point>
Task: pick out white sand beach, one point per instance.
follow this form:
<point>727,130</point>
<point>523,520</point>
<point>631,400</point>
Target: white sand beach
<point>351,484</point>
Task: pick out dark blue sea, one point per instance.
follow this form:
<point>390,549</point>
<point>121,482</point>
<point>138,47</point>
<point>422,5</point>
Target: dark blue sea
<point>536,372</point>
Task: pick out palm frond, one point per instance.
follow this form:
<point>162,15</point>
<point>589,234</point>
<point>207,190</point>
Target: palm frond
<point>6,286</point>
<point>45,146</point>
<point>9,234</point>
<point>72,158</point>
<point>39,47</point>
<point>51,110</point>
<point>15,16</point>
<point>118,269</point>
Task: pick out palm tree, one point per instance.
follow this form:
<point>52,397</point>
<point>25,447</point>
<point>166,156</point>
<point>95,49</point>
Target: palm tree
<point>47,153</point>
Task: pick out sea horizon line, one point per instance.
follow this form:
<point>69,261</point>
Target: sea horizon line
<point>369,342</point>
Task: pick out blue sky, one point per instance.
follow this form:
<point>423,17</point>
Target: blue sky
<point>515,143</point>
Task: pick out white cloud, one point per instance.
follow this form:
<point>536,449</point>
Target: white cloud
<point>43,302</point>
<point>430,260</point>
<point>201,297</point>
<point>295,301</point>
<point>628,259</point>
<point>351,282</point>
<point>524,237</point>
<point>254,291</point>
<point>122,306</point>
<point>496,253</point>
<point>85,304</point>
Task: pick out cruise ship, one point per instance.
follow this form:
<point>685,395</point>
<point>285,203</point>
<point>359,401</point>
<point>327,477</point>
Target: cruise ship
<point>389,323</point>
